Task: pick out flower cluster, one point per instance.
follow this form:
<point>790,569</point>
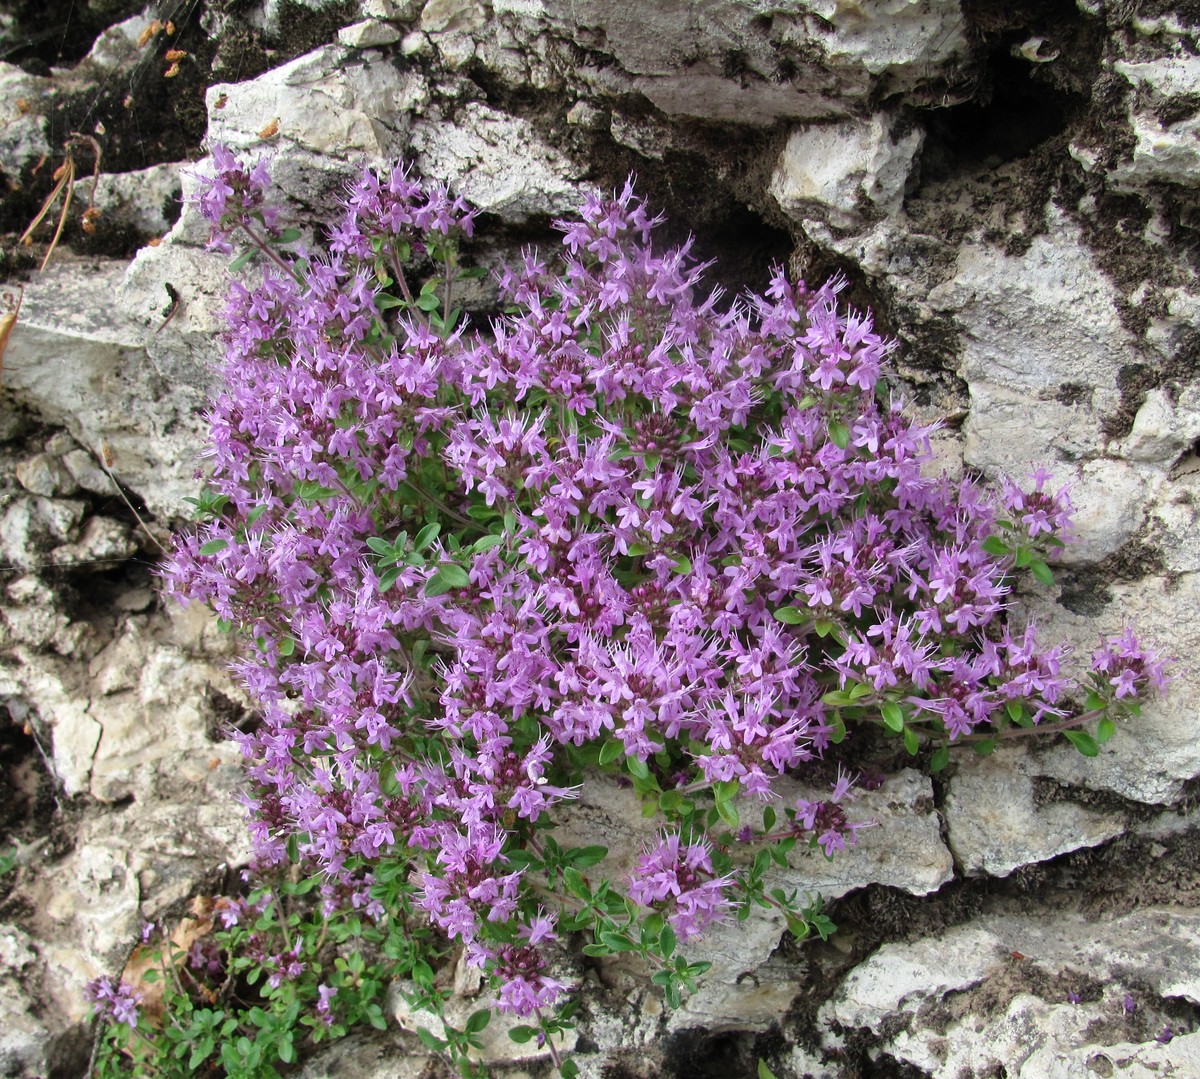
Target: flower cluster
<point>232,195</point>
<point>114,1001</point>
<point>629,526</point>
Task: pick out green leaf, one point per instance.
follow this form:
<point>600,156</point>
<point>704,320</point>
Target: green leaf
<point>994,545</point>
<point>682,565</point>
<point>586,857</point>
<point>940,758</point>
<point>839,434</point>
<point>669,801</point>
<point>1042,572</point>
<point>575,883</point>
<point>288,236</point>
<point>428,302</point>
<point>666,941</point>
<point>823,626</point>
<point>379,546</point>
<point>768,819</point>
<point>521,1034</point>
<point>568,1069</point>
<point>637,768</point>
<point>456,575</point>
<point>447,578</point>
<point>893,716</point>
<point>763,1071</point>
<point>790,616</point>
<point>213,546</point>
<point>725,790</point>
<point>486,543</point>
<point>610,751</point>
<point>287,646</point>
<point>242,261</point>
<point>430,1040</point>
<point>1105,729</point>
<point>984,748</point>
<point>728,813</point>
<point>911,742</point>
<point>426,536</point>
<point>478,1021</point>
<point>1083,742</point>
<point>798,927</point>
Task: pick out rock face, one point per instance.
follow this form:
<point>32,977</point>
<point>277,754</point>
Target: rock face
<point>1011,187</point>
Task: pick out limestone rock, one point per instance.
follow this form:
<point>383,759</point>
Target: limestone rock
<point>368,34</point>
<point>323,107</point>
<point>1152,756</point>
<point>43,474</point>
<point>81,365</point>
<point>899,979</point>
<point>145,201</point>
<point>933,1002</point>
<point>23,126</point>
<point>903,849</point>
<point>117,47</point>
<point>1167,150</point>
<point>839,171</point>
<point>23,1037</point>
<point>498,162</point>
<point>996,824</point>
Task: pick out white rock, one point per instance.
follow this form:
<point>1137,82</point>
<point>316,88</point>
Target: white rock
<point>895,991</point>
<point>1016,313</point>
<point>899,979</point>
<point>103,540</point>
<point>87,473</point>
<point>368,34</point>
<point>835,171</point>
<point>23,1037</point>
<point>448,16</point>
<point>1110,498</point>
<point>400,10</point>
<point>323,105</point>
<point>61,516</point>
<point>1164,154</point>
<point>80,364</point>
<point>497,161</point>
<point>1152,756</point>
<point>141,200</point>
<point>995,824</point>
<point>1164,427</point>
<point>903,850</point>
<point>497,1047</point>
<point>906,40</point>
<point>583,114</point>
<point>117,47</point>
<point>43,474</point>
<point>22,131</point>
<point>1148,1060</point>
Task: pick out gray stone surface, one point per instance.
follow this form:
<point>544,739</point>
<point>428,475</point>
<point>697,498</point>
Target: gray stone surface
<point>997,820</point>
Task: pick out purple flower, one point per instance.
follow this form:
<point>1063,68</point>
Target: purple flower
<point>679,876</point>
<point>325,995</point>
<point>628,521</point>
<point>114,1000</point>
